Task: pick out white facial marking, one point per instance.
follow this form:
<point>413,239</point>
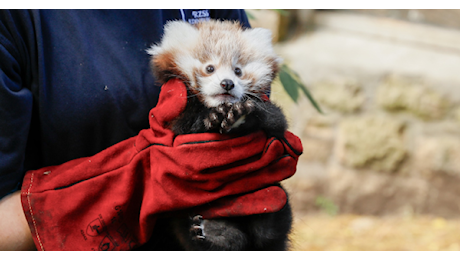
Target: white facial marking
<point>214,94</point>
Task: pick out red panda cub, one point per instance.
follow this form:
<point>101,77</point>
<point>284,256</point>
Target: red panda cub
<point>228,71</point>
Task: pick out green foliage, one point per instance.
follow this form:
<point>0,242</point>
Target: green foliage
<point>327,205</point>
<point>291,83</point>
<point>289,78</point>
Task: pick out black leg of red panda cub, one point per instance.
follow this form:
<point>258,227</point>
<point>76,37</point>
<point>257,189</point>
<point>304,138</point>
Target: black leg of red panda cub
<point>227,71</point>
<point>257,232</point>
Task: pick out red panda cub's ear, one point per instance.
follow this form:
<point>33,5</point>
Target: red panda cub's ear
<point>178,36</point>
<point>260,41</point>
<point>163,66</point>
<point>258,37</point>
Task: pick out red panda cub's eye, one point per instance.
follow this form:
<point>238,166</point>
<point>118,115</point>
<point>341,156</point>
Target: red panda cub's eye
<point>238,72</point>
<point>210,69</point>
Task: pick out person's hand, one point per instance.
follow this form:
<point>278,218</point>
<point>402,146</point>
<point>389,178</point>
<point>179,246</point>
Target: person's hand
<point>110,201</point>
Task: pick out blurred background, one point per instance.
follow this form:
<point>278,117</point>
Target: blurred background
<point>381,164</point>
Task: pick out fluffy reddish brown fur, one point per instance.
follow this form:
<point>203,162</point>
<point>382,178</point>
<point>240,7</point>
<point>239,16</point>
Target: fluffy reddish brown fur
<point>186,50</point>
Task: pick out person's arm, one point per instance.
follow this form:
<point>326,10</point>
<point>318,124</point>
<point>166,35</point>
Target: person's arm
<point>111,200</point>
<point>15,115</point>
<point>15,232</point>
<point>15,97</point>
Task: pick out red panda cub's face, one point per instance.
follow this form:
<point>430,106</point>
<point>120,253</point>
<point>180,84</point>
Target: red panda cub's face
<point>219,61</point>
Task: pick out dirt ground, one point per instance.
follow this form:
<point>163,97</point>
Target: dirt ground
<point>368,233</point>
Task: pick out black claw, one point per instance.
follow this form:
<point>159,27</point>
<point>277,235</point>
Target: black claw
<point>221,109</point>
<point>207,123</point>
<point>230,118</point>
<point>224,125</point>
<point>197,219</point>
<point>213,117</point>
<point>196,230</point>
<point>239,108</point>
<point>249,105</point>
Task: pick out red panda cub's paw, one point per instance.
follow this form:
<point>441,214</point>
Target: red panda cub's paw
<point>228,116</point>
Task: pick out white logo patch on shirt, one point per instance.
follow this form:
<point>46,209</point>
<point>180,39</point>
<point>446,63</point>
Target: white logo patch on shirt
<point>195,16</point>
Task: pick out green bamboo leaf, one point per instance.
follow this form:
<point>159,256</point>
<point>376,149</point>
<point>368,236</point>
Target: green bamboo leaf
<point>292,83</point>
<point>289,83</point>
<point>310,97</point>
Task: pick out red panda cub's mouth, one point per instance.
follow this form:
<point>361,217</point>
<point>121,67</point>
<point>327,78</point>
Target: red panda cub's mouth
<point>225,97</point>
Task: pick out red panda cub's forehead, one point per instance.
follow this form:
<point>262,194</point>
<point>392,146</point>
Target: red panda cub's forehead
<point>221,42</point>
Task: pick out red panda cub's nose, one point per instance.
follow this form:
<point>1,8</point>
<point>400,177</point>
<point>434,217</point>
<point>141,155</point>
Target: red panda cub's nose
<point>227,84</point>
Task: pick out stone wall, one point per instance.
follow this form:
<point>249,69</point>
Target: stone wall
<point>400,154</point>
<point>389,139</point>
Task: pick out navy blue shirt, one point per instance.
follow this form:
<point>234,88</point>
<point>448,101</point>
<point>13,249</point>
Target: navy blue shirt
<point>74,82</point>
